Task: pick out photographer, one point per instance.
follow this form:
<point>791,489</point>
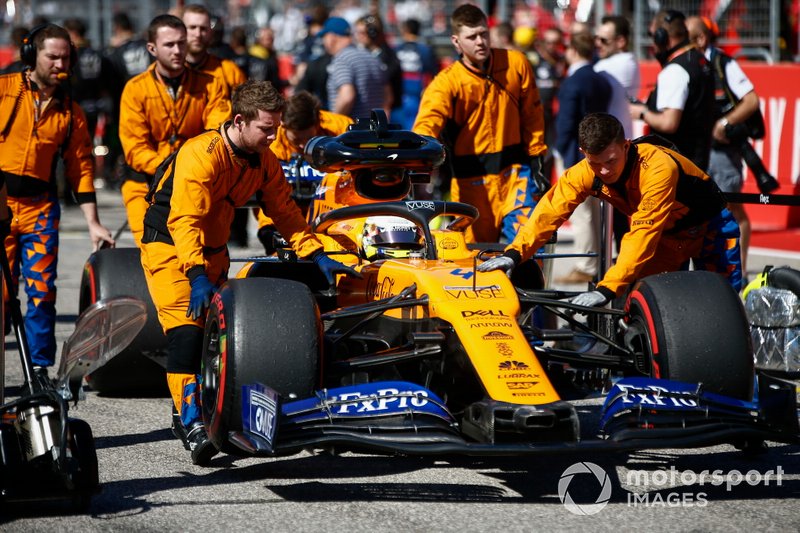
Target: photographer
<point>738,120</point>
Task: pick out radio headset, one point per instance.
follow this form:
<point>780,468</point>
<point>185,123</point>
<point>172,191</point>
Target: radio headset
<point>661,35</point>
<point>27,52</point>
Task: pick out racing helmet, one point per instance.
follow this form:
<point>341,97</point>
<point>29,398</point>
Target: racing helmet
<point>389,237</point>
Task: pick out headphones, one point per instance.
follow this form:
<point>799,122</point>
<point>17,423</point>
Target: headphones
<point>27,52</point>
<point>661,35</point>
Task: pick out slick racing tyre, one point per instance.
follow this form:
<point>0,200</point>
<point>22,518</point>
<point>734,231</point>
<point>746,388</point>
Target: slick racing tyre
<point>691,327</point>
<point>118,272</point>
<point>262,330</point>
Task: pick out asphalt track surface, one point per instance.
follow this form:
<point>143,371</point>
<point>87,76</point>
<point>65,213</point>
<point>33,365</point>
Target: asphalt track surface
<point>149,483</point>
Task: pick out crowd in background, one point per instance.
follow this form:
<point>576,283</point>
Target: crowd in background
<point>290,52</point>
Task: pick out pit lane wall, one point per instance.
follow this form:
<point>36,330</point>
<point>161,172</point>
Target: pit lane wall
<point>777,88</point>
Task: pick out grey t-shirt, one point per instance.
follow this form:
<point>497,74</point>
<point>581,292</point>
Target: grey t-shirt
<point>365,72</point>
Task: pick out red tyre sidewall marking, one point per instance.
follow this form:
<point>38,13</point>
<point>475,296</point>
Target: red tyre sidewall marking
<point>639,298</point>
<point>92,285</point>
<point>223,362</point>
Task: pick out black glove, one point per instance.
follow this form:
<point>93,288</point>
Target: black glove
<point>271,239</point>
<point>537,173</point>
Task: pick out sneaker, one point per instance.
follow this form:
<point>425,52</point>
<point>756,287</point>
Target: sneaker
<point>200,445</point>
<point>575,277</point>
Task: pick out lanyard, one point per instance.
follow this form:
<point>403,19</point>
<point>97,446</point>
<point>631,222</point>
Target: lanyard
<point>170,107</point>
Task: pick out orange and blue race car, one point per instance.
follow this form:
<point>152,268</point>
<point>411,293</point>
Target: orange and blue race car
<point>424,354</point>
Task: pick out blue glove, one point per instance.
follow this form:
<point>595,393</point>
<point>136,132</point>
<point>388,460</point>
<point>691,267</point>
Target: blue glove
<point>329,267</point>
<point>589,299</point>
<point>202,290</point>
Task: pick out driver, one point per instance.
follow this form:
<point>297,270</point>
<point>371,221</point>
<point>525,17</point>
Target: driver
<point>188,223</point>
<point>389,237</point>
<point>676,211</point>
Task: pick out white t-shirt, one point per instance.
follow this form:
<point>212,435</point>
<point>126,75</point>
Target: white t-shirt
<point>737,80</point>
<point>625,68</point>
<point>618,105</point>
<point>673,87</point>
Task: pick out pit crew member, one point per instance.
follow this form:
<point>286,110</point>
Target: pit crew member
<point>187,224</point>
<point>677,212</point>
<point>486,109</point>
<point>41,122</point>
<point>160,109</point>
<point>303,118</point>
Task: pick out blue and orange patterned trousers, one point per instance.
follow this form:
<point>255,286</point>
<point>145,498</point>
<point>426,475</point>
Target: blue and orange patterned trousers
<point>32,248</point>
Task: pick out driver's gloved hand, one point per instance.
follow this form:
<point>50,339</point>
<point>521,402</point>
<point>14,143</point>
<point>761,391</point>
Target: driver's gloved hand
<point>330,267</point>
<point>202,290</point>
<point>507,261</point>
<point>537,173</point>
<point>590,299</point>
<point>269,237</point>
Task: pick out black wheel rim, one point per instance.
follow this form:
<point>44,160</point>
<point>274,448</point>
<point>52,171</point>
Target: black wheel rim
<point>637,340</point>
<point>212,361</point>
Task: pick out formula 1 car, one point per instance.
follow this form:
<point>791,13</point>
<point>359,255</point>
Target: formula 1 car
<point>423,354</point>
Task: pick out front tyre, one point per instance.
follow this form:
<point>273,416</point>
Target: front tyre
<point>691,327</point>
<point>258,330</point>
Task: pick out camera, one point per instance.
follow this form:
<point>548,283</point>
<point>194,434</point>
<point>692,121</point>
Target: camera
<point>739,137</point>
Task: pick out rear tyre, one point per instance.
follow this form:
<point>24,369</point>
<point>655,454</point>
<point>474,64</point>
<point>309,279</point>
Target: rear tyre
<point>118,272</point>
<point>691,327</point>
<point>257,330</point>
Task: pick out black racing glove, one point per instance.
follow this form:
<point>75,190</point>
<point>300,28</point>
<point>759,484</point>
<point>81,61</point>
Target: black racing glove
<point>537,173</point>
<point>271,239</point>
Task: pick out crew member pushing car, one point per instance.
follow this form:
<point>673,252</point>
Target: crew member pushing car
<point>187,224</point>
<point>677,213</point>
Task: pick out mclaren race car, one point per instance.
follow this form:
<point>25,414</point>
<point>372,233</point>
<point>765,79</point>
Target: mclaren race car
<point>423,354</point>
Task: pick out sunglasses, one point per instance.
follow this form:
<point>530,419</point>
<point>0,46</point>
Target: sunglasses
<point>602,40</point>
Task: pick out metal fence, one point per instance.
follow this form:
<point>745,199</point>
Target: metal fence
<point>752,26</point>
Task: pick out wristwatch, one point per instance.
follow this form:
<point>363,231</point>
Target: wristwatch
<point>724,122</point>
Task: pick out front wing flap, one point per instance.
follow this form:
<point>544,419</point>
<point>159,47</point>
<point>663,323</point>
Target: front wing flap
<point>645,409</point>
